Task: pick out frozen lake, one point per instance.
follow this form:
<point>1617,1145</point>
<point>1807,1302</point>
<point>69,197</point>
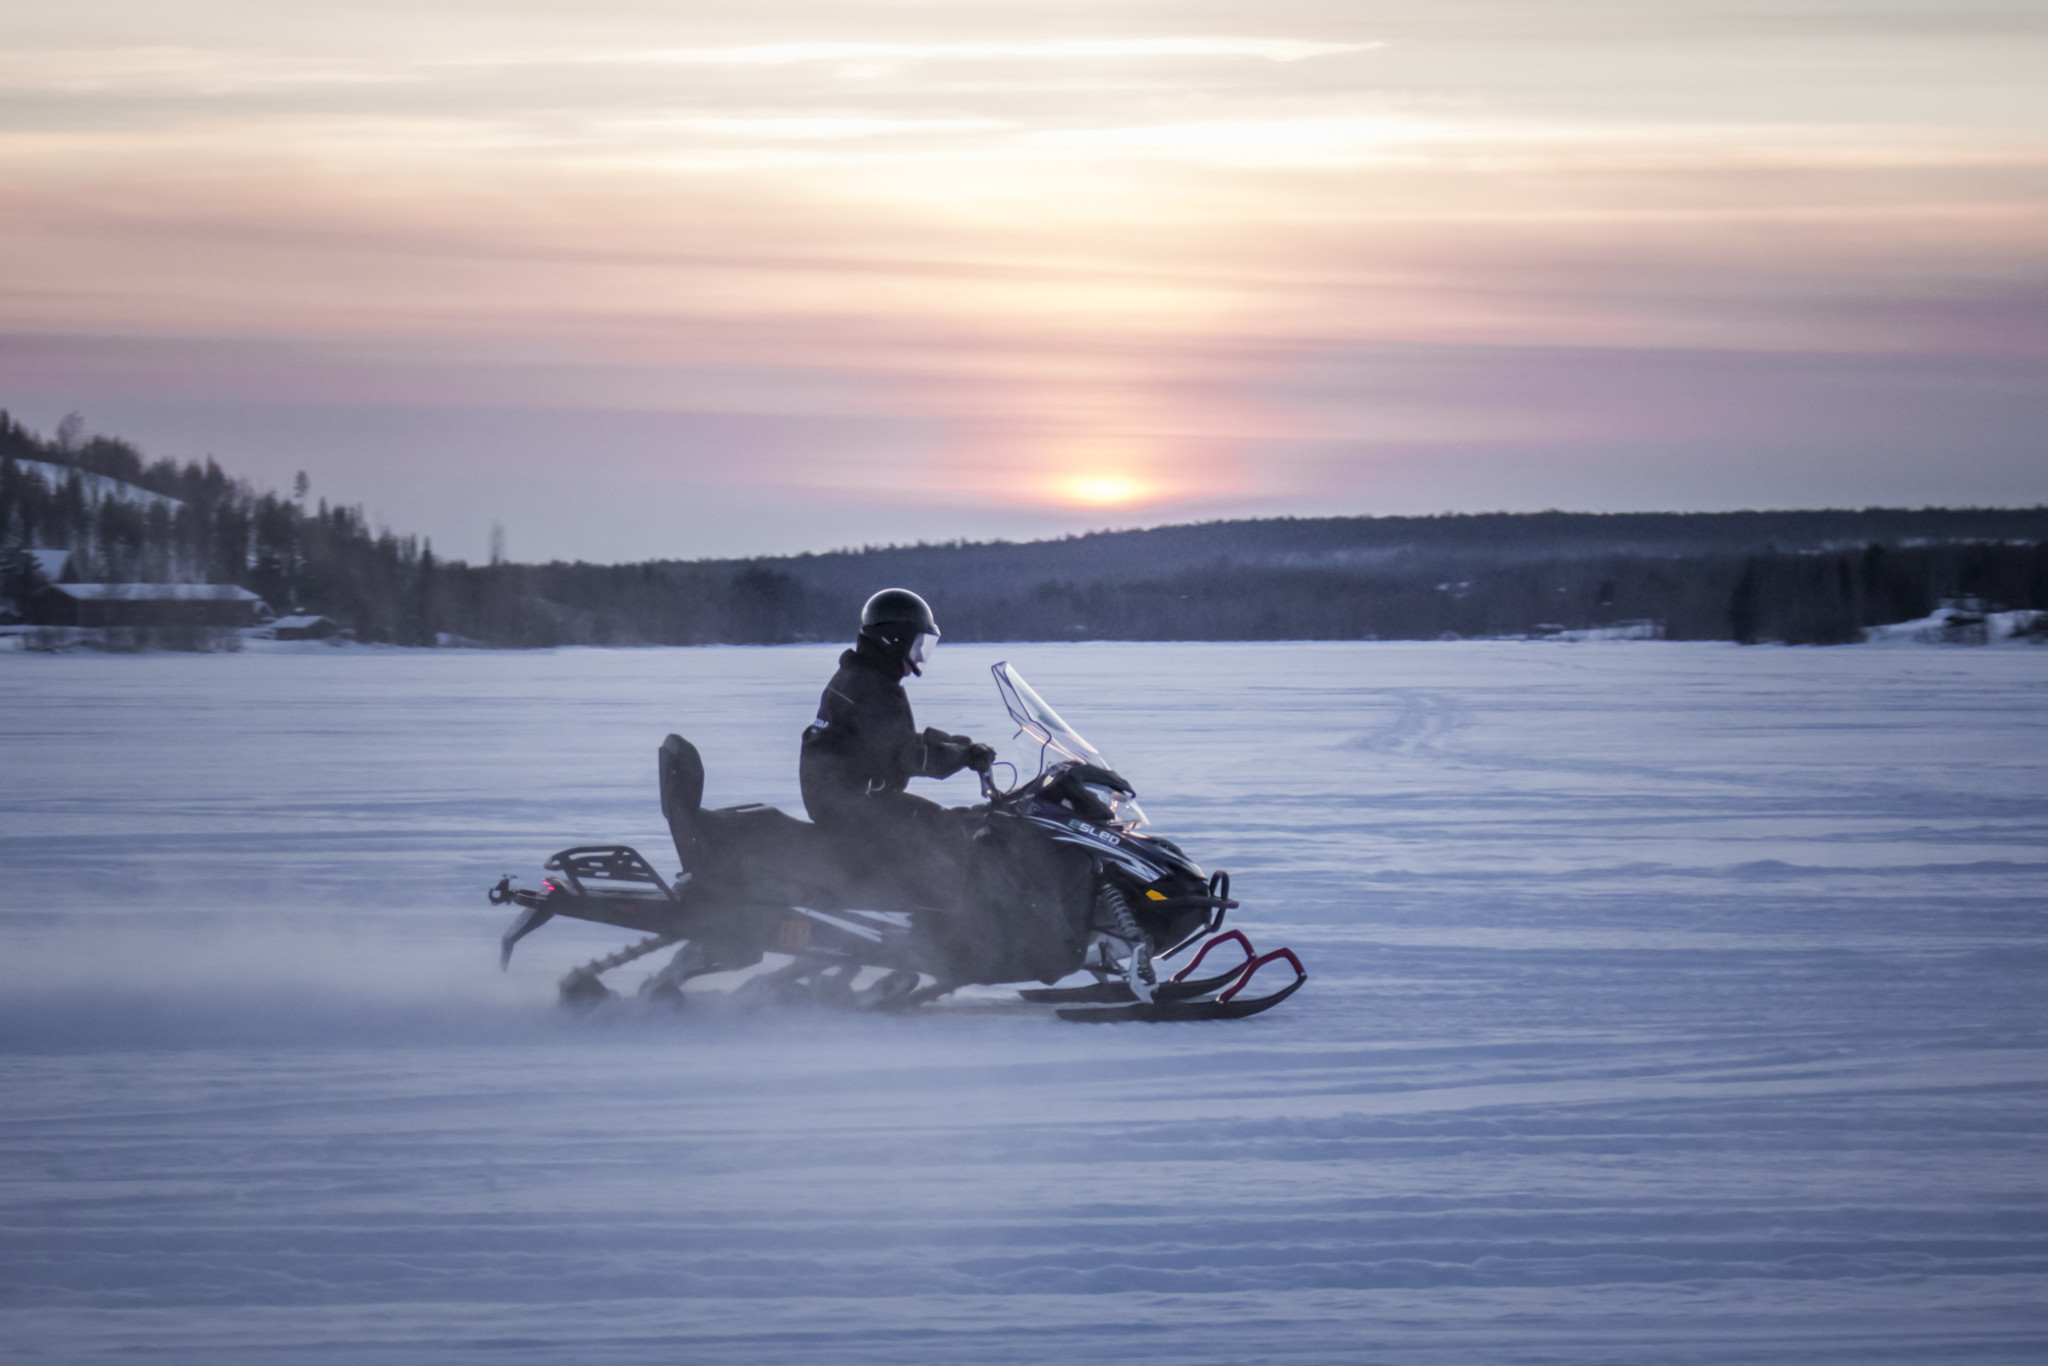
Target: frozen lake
<point>1669,1003</point>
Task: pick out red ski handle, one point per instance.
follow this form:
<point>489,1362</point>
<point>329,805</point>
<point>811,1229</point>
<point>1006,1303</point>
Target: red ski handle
<point>1203,952</point>
<point>1244,977</point>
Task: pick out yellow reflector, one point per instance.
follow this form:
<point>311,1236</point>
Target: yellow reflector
<point>1156,896</point>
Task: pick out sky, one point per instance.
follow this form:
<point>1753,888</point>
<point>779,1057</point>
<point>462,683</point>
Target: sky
<point>634,280</point>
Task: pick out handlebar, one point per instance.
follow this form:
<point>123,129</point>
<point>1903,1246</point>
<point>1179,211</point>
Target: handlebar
<point>989,790</point>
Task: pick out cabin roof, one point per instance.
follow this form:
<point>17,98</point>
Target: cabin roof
<point>154,592</point>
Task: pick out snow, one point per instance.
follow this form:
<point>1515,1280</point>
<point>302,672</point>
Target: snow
<point>98,487</point>
<point>1640,629</point>
<point>51,564</point>
<point>155,592</point>
<point>1668,1002</point>
<point>1959,626</point>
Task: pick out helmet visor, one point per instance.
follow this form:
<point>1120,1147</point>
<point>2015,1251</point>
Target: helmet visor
<point>921,647</point>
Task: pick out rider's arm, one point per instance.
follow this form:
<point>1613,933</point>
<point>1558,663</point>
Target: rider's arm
<point>873,727</point>
<point>940,755</point>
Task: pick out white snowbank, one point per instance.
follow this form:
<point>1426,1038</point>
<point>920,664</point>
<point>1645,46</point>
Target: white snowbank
<point>1959,626</point>
<point>1641,629</point>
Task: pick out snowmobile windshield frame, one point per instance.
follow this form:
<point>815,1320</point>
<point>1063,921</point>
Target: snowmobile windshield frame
<point>1036,718</point>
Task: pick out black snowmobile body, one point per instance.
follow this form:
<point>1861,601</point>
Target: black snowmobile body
<point>1057,878</point>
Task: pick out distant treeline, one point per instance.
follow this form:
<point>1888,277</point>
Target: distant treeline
<point>220,530</point>
<point>1816,577</point>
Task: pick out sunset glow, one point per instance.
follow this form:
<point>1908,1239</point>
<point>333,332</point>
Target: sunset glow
<point>798,278</point>
<point>1103,490</point>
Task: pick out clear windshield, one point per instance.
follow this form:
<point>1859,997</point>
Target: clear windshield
<point>1058,741</point>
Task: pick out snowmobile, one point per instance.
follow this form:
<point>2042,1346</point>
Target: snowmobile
<point>1056,879</point>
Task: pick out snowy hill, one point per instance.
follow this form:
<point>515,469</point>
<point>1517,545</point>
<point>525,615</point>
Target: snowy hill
<point>98,487</point>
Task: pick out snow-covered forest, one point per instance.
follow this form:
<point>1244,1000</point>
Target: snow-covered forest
<point>1668,1003</point>
<point>1799,577</point>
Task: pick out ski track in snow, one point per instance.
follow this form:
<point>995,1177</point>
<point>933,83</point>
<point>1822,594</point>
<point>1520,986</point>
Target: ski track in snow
<point>1668,1003</point>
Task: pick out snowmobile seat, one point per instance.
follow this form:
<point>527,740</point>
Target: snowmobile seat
<point>760,854</point>
<point>764,854</point>
<point>681,774</point>
<point>753,852</point>
<point>680,771</point>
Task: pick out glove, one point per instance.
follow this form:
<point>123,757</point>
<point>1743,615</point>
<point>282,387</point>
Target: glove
<point>980,758</point>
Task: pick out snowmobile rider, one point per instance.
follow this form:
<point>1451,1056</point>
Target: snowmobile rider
<point>864,748</point>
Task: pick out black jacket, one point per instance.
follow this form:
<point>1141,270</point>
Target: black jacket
<point>864,740</point>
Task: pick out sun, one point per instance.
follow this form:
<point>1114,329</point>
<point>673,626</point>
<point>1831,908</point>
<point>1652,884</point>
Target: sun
<point>1102,490</point>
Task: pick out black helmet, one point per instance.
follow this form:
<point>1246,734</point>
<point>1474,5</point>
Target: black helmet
<point>897,614</point>
<point>898,620</point>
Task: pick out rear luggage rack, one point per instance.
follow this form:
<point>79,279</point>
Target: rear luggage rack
<point>605,870</point>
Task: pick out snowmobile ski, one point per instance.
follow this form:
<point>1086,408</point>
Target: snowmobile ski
<point>1179,987</point>
<point>1227,1005</point>
<point>1093,993</point>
